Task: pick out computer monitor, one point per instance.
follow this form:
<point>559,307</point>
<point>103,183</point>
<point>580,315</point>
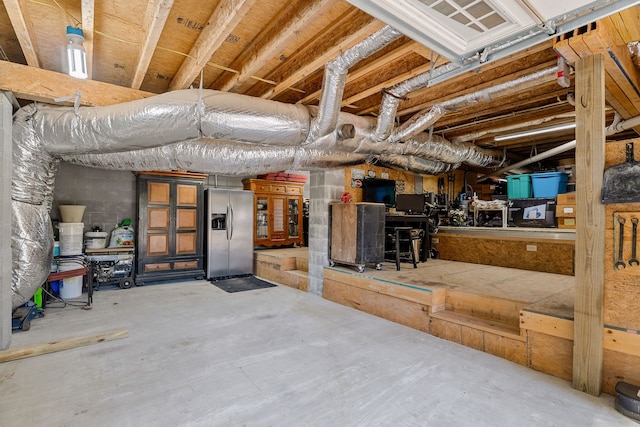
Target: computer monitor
<point>413,203</point>
<point>379,191</point>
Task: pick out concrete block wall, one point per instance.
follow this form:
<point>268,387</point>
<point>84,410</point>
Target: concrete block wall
<point>110,196</point>
<point>325,187</point>
<point>6,111</point>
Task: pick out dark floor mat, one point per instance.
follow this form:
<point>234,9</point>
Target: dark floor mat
<point>239,284</point>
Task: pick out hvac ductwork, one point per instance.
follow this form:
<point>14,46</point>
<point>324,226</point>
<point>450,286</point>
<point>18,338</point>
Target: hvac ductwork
<point>335,78</point>
<point>201,131</point>
<point>425,119</point>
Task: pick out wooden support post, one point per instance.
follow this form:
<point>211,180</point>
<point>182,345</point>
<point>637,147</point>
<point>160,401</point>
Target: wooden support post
<point>590,232</point>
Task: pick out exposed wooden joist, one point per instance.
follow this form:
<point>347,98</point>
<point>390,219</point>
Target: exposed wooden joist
<point>588,351</point>
<point>22,30</point>
<point>88,13</point>
<point>383,61</point>
<point>386,84</point>
<point>425,97</point>
<point>223,20</point>
<point>35,84</point>
<point>272,40</point>
<point>321,54</point>
<point>469,89</point>
<point>154,22</point>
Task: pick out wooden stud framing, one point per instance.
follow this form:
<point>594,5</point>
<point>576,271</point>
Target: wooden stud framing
<point>589,268</point>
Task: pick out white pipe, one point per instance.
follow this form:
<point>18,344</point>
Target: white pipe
<point>611,130</point>
<point>552,152</point>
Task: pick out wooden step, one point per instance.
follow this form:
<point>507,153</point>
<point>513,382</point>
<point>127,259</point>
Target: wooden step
<point>480,324</point>
<point>297,279</point>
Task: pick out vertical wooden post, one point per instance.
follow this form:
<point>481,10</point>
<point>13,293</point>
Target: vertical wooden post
<point>590,233</point>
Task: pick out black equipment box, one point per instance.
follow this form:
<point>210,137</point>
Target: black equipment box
<point>537,213</point>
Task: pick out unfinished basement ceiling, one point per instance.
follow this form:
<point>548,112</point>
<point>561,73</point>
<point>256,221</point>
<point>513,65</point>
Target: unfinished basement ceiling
<point>277,49</point>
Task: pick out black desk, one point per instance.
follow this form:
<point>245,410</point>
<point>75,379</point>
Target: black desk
<point>415,221</point>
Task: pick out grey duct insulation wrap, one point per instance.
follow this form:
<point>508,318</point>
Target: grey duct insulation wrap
<point>335,78</point>
<point>220,157</point>
<point>426,118</point>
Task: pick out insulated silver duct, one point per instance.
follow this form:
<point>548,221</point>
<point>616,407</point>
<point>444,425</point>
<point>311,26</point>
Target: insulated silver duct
<point>392,97</point>
<point>335,78</point>
<point>426,118</point>
<point>220,157</point>
<point>416,164</point>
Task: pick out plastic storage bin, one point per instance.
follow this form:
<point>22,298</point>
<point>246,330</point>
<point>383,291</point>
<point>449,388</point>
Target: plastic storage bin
<point>519,186</point>
<point>549,184</point>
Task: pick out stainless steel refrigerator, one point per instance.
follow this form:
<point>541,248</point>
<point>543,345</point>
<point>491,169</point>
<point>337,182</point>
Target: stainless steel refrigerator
<point>229,232</point>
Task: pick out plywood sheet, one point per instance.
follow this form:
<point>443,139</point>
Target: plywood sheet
<point>406,313</point>
<point>549,256</point>
<point>549,354</point>
<point>507,348</point>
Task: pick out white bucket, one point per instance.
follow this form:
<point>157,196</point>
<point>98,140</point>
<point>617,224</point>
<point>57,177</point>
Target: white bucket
<point>95,239</point>
<point>72,287</point>
<point>70,238</point>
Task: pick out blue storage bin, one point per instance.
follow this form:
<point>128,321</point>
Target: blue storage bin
<point>549,184</point>
<point>519,186</point>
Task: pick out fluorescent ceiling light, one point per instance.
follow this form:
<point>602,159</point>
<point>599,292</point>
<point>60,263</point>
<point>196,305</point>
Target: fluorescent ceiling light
<point>76,55</point>
<point>532,132</point>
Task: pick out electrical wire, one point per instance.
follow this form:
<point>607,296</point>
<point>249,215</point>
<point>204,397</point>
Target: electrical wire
<point>78,24</point>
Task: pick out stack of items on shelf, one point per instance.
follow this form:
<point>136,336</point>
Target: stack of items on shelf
<point>283,176</point>
<point>566,210</point>
<point>533,198</point>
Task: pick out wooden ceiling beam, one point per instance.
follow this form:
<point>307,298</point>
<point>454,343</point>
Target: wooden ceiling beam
<point>272,40</point>
<point>360,72</point>
<point>155,19</point>
<point>35,84</point>
<point>322,51</point>
<point>222,21</point>
<point>469,80</point>
<point>511,107</point>
<point>485,85</point>
<point>23,31</point>
<point>88,13</point>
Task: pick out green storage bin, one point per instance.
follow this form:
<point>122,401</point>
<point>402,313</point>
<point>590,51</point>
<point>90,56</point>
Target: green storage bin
<point>519,186</point>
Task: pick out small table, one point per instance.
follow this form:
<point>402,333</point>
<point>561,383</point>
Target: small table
<point>85,272</point>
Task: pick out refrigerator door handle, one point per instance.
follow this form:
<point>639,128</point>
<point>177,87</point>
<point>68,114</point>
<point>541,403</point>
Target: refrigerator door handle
<point>227,221</point>
<point>230,233</point>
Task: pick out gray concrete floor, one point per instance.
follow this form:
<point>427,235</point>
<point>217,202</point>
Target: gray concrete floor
<point>197,356</point>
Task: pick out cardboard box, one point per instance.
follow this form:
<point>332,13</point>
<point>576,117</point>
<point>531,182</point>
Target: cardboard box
<point>566,223</point>
<point>566,199</point>
<point>565,211</point>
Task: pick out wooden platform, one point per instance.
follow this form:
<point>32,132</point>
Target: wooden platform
<point>519,315</point>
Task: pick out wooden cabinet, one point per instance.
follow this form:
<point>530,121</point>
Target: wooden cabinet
<point>170,226</point>
<point>277,212</point>
<point>357,234</point>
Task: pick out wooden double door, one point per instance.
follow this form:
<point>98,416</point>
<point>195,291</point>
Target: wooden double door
<point>170,226</point>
